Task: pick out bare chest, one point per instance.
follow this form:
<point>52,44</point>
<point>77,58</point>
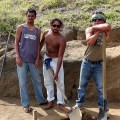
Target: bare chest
<point>52,41</point>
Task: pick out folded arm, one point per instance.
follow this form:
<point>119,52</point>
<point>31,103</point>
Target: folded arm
<point>92,33</point>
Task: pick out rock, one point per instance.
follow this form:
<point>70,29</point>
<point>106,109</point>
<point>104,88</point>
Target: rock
<point>115,35</point>
<point>70,33</point>
<point>80,35</point>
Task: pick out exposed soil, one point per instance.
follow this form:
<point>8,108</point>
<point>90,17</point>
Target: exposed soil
<point>11,109</point>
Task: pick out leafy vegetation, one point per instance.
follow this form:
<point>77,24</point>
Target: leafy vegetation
<point>74,13</point>
<point>45,4</point>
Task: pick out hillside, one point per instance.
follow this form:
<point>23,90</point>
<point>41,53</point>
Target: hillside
<point>74,13</point>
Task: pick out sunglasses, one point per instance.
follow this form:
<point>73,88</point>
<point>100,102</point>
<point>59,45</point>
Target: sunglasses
<point>58,26</point>
<point>96,19</point>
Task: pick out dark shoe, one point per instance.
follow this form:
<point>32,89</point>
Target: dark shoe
<point>45,103</point>
<point>103,114</point>
<point>27,109</point>
<point>108,115</point>
<point>49,105</point>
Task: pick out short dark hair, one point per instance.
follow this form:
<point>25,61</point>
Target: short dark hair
<point>56,19</point>
<point>31,10</point>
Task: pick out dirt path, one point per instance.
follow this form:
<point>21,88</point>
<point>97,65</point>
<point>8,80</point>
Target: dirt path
<point>10,109</point>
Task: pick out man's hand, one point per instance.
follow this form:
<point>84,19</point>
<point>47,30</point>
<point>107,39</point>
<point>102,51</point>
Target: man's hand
<point>56,76</point>
<point>19,61</point>
<point>37,63</point>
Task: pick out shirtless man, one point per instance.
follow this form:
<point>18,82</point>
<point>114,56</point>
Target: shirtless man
<point>55,48</point>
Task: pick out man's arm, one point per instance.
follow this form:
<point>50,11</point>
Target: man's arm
<point>101,27</point>
<point>92,33</point>
<point>60,57</point>
<point>38,51</point>
<point>91,36</point>
<point>43,40</point>
<point>17,40</point>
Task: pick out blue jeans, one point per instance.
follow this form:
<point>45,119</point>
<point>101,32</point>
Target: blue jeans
<point>23,83</point>
<point>87,70</point>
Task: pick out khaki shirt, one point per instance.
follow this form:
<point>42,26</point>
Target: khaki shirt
<point>93,52</point>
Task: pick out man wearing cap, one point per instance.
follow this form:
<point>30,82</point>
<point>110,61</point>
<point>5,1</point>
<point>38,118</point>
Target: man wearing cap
<point>92,61</point>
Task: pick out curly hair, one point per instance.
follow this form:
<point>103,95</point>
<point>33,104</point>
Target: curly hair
<point>56,19</point>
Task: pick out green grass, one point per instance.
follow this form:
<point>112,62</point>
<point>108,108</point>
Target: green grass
<point>10,15</point>
<point>47,4</point>
<point>76,13</point>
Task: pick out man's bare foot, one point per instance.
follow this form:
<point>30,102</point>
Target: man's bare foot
<point>49,105</point>
<point>62,107</point>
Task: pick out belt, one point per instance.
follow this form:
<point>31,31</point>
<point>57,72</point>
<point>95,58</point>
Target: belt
<point>94,62</point>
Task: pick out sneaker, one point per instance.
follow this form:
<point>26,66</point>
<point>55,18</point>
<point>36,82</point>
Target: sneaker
<point>102,113</point>
<point>108,115</point>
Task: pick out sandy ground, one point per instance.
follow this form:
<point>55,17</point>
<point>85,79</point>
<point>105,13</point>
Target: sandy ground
<point>11,109</point>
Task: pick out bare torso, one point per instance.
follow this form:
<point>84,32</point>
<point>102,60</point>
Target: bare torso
<point>52,42</point>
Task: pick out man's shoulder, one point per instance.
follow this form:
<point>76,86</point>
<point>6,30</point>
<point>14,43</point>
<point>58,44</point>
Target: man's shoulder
<point>19,28</point>
<point>38,28</point>
<point>21,25</point>
<point>89,29</point>
<point>46,32</point>
<point>62,36</point>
